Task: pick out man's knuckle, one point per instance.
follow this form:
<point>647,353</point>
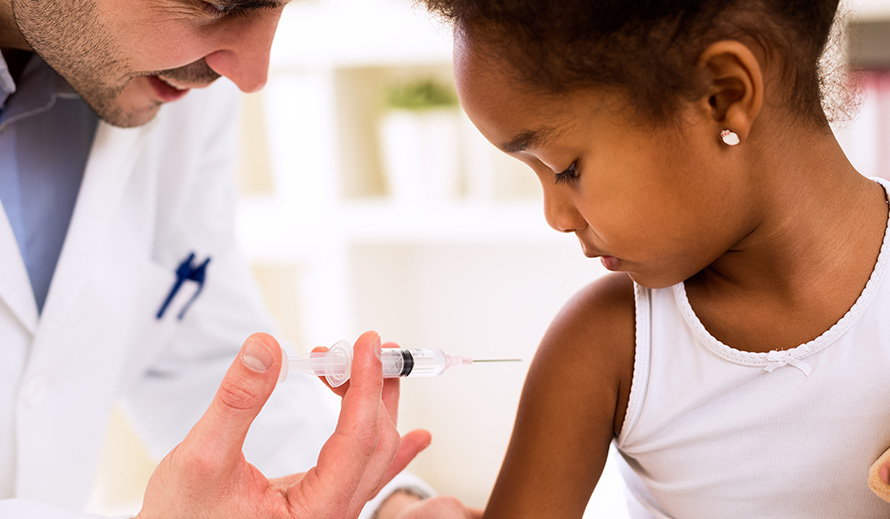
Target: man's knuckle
<point>368,442</point>
<point>390,440</point>
<point>237,396</point>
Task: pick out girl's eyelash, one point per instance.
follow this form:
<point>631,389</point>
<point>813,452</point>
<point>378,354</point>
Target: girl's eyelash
<point>569,175</point>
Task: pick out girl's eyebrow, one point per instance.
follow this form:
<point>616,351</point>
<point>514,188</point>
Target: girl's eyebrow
<point>526,139</point>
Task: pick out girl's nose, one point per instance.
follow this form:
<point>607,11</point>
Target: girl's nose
<point>560,211</point>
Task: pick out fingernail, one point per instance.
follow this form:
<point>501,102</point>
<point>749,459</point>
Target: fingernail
<point>377,346</point>
<point>284,366</point>
<point>256,356</point>
<point>885,473</point>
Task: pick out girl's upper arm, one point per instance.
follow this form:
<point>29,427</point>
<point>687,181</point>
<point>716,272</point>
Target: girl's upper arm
<point>572,405</point>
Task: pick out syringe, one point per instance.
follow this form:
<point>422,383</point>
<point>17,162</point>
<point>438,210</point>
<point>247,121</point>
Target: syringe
<point>336,363</point>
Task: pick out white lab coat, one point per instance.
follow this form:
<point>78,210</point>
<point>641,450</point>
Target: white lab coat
<point>149,197</point>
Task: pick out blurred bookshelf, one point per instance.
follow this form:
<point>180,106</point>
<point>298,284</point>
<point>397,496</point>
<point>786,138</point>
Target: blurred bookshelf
<point>320,182</point>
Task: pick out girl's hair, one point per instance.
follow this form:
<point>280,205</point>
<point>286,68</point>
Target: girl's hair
<point>648,48</point>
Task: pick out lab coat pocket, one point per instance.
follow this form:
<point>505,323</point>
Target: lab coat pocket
<point>151,333</point>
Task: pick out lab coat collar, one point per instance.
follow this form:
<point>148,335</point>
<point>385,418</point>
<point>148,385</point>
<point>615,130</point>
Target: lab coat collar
<point>15,285</point>
<point>108,170</point>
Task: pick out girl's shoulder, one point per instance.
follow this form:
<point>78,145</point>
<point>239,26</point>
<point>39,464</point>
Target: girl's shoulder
<point>589,346</point>
<point>572,406</point>
<point>604,309</point>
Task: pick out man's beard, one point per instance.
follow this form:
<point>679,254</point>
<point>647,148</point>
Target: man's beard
<point>69,37</point>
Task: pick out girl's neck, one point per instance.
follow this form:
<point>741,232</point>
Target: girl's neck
<point>809,254</point>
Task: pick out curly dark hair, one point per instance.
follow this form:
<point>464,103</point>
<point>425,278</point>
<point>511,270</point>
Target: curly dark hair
<point>648,48</point>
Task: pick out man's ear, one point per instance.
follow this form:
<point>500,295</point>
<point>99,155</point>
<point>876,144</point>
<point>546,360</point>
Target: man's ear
<point>734,88</point>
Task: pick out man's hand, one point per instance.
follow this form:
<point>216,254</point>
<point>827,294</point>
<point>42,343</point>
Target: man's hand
<point>207,476</point>
<point>879,476</point>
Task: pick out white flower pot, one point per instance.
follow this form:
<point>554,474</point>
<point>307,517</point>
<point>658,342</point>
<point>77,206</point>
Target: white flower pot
<point>421,158</point>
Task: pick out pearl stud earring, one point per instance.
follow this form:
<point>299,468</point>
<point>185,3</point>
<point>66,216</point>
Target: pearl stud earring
<point>730,138</point>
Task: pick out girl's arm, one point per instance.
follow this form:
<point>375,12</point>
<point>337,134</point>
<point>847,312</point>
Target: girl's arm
<point>572,405</point>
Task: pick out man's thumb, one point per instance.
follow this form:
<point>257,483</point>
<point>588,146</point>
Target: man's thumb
<point>243,392</point>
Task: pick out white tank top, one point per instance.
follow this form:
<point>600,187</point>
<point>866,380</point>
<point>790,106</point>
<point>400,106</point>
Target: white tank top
<point>712,432</point>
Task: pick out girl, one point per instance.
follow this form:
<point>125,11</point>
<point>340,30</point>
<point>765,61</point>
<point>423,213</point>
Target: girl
<point>736,355</point>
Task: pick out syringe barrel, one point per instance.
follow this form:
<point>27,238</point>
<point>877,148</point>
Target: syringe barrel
<point>336,363</point>
<point>415,362</point>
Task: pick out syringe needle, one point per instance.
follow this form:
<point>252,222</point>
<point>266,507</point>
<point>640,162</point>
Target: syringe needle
<point>496,360</point>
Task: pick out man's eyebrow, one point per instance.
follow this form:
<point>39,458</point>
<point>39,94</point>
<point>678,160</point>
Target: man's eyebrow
<point>252,4</point>
<point>526,140</point>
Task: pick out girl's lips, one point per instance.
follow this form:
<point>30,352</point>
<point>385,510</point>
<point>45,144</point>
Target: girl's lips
<point>164,91</point>
<point>611,263</point>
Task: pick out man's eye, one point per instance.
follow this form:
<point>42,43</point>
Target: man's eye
<point>569,175</point>
<point>223,11</point>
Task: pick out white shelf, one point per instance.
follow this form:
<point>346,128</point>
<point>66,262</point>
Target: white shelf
<point>466,222</point>
<point>270,231</point>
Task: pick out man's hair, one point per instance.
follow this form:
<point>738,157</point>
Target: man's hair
<point>648,48</point>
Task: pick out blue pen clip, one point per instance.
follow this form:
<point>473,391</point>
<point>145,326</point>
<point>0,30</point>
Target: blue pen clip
<point>186,271</point>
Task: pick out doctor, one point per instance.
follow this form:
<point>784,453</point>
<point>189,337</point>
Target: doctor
<point>120,280</point>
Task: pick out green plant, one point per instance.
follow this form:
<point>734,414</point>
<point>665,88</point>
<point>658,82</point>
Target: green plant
<point>420,95</point>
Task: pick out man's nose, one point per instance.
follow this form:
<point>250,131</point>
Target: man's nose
<point>244,53</point>
<point>560,211</point>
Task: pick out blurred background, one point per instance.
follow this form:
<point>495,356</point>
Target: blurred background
<point>368,201</point>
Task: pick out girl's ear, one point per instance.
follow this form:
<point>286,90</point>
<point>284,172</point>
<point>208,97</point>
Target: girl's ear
<point>734,88</point>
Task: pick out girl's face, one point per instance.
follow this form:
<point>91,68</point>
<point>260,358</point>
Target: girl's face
<point>658,202</point>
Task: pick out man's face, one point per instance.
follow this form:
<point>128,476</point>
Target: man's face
<point>127,57</point>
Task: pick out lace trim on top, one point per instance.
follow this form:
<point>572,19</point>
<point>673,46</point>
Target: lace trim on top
<point>792,357</point>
